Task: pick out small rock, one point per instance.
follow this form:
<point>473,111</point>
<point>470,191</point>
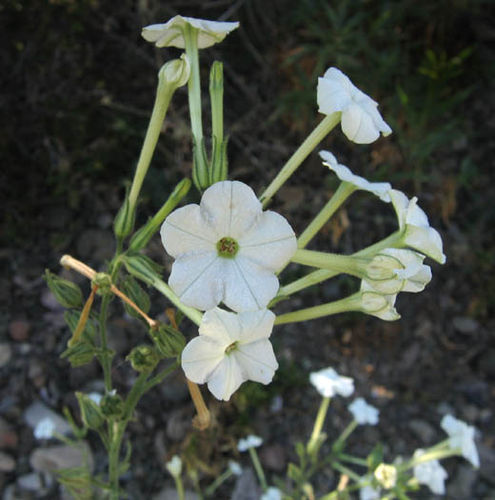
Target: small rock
<point>5,353</point>
<point>7,463</point>
<point>423,430</point>
<point>36,373</point>
<point>38,411</point>
<point>273,457</point>
<point>19,330</point>
<point>60,457</point>
<point>465,325</point>
<point>246,487</point>
<point>34,482</point>
<point>171,494</point>
<point>461,485</point>
<point>177,425</point>
<point>8,437</point>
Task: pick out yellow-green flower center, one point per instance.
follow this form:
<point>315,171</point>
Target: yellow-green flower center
<point>231,347</point>
<point>227,247</point>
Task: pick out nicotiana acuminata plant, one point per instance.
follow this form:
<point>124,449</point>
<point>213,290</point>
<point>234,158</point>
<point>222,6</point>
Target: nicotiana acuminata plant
<point>229,255</point>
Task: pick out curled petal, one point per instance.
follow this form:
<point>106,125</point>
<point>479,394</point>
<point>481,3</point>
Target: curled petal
<point>358,126</point>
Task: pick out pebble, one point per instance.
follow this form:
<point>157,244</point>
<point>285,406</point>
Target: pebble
<point>5,353</point>
<point>460,486</point>
<point>8,436</point>
<point>465,325</point>
<point>52,458</point>
<point>273,457</point>
<point>246,487</point>
<point>7,463</point>
<point>19,330</point>
<point>33,482</point>
<point>38,411</point>
<point>177,425</point>
<point>423,430</point>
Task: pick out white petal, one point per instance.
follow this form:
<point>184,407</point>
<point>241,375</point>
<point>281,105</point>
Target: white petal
<point>425,240</point>
<point>418,282</point>
<point>370,107</point>
<point>184,230</point>
<point>270,243</point>
<point>331,96</point>
<point>200,357</point>
<point>230,208</point>
<point>220,326</point>
<point>248,286</point>
<point>257,360</point>
<point>226,378</point>
<point>400,202</point>
<point>197,280</point>
<point>358,125</point>
<point>255,325</point>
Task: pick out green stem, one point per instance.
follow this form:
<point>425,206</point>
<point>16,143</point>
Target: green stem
<point>106,361</point>
<point>180,487</point>
<point>160,376</point>
<point>346,264</point>
<point>258,468</point>
<point>162,100</point>
<point>340,441</point>
<point>351,303</point>
<point>344,470</point>
<point>334,203</point>
<point>322,129</point>
<point>218,482</point>
<point>320,420</point>
<point>193,84</point>
<point>353,460</point>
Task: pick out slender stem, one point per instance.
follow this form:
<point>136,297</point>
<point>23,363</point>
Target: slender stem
<point>162,100</point>
<point>320,420</point>
<point>106,358</point>
<point>160,376</point>
<point>334,203</point>
<point>316,136</point>
<point>179,486</point>
<point>193,84</point>
<point>348,472</point>
<point>218,482</point>
<point>258,468</point>
<point>347,264</point>
<point>351,303</point>
<point>345,434</point>
<point>353,460</point>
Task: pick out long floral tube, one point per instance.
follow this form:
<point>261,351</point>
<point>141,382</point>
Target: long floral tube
<point>334,262</point>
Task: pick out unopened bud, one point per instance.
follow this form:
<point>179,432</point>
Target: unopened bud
<point>91,414</point>
<point>124,220</point>
<point>79,354</point>
<point>142,267</point>
<point>68,294</point>
<point>176,72</point>
<point>143,358</point>
<point>168,340</point>
<point>112,405</point>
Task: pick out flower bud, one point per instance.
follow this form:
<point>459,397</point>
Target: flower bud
<point>142,267</point>
<point>91,414</point>
<point>124,220</point>
<point>174,466</point>
<point>136,293</point>
<point>68,294</point>
<point>386,475</point>
<point>143,358</point>
<point>79,354</point>
<point>103,282</point>
<point>168,340</point>
<point>176,72</point>
<point>112,405</point>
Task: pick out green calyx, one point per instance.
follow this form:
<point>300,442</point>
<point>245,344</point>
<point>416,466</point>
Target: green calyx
<point>227,247</point>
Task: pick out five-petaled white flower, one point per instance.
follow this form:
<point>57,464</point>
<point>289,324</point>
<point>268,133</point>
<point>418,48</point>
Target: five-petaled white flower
<point>171,33</point>
<point>174,466</point>
<point>328,383</point>
<point>378,304</point>
<point>227,249</point>
<point>250,442</point>
<point>461,436</point>
<point>364,413</point>
<point>430,473</point>
<point>361,122</point>
<point>417,232</point>
<point>395,270</point>
<point>271,493</point>
<point>230,349</point>
<point>380,189</point>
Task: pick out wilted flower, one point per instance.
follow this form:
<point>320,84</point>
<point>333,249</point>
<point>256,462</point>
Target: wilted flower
<point>430,473</point>
<point>361,122</point>
<point>363,413</point>
<point>271,493</point>
<point>395,270</point>
<point>227,249</point>
<point>461,436</point>
<point>174,466</point>
<point>230,349</point>
<point>378,304</point>
<point>177,71</point>
<point>171,33</point>
<point>250,442</point>
<point>44,429</point>
<point>328,383</point>
<point>235,468</point>
<point>369,493</point>
<point>386,475</point>
<point>380,189</point>
<point>417,232</point>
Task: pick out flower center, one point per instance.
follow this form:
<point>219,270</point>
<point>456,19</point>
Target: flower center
<point>231,347</point>
<point>227,247</point>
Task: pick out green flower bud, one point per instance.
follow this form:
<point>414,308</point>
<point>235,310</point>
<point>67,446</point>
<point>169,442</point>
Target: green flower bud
<point>143,358</point>
<point>79,354</point>
<point>91,414</point>
<point>200,172</point>
<point>176,72</point>
<point>103,282</point>
<point>124,220</point>
<point>68,294</point>
<point>142,267</point>
<point>136,293</point>
<point>169,341</point>
<point>112,405</point>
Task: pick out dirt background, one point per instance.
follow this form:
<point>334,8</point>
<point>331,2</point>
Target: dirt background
<point>77,86</point>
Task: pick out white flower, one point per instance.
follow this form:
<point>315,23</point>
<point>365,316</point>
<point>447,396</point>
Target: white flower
<point>227,249</point>
<point>250,442</point>
<point>369,493</point>
<point>395,270</point>
<point>430,473</point>
<point>272,493</point>
<point>44,429</point>
<point>235,468</point>
<point>328,383</point>
<point>386,475</point>
<point>461,436</point>
<point>378,304</point>
<point>361,122</point>
<point>418,233</point>
<point>174,466</point>
<point>171,33</point>
<point>364,413</point>
<point>380,189</point>
<point>230,349</point>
